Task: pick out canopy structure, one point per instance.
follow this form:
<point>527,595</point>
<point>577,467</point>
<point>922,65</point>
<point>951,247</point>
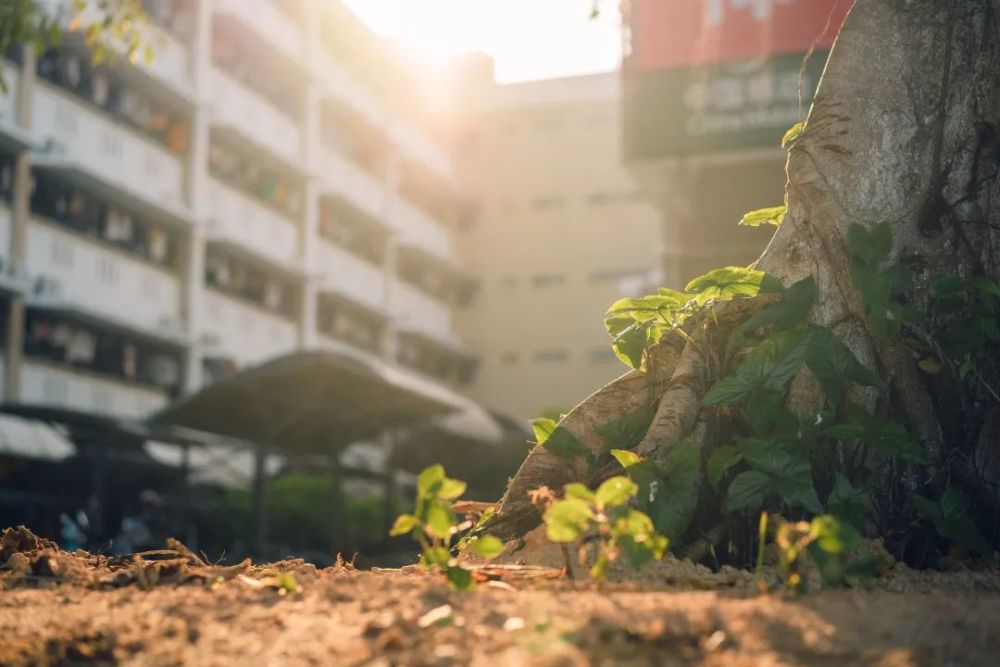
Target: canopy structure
<point>309,403</point>
<point>110,448</point>
<point>31,439</point>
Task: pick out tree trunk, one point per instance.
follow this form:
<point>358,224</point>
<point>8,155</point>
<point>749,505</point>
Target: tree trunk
<point>903,131</point>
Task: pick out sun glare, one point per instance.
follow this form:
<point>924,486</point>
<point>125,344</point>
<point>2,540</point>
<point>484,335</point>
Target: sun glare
<point>528,39</point>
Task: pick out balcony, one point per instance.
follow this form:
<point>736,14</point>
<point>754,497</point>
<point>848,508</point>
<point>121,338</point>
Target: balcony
<point>417,228</point>
<point>48,384</point>
<point>12,137</point>
<point>419,312</point>
<point>81,139</point>
<point>268,23</point>
<point>83,275</point>
<point>238,220</point>
<point>350,276</point>
<point>343,177</point>
<point>244,332</point>
<point>253,119</point>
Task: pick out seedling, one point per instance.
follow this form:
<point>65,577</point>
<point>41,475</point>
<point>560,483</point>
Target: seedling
<point>620,530</point>
<point>433,525</point>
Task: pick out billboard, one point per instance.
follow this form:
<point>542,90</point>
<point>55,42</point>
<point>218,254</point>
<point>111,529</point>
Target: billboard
<point>704,76</point>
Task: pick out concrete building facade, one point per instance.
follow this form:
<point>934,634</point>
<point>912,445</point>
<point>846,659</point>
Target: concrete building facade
<point>562,233</point>
<point>253,190</point>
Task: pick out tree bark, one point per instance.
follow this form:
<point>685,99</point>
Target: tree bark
<point>904,131</point>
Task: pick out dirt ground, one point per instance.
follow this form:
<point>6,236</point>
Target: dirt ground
<point>171,608</point>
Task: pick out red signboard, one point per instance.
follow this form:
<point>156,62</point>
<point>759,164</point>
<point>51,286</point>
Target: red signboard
<point>669,34</point>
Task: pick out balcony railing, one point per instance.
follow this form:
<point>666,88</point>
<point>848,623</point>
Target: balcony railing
<point>416,227</point>
<point>237,219</point>
<point>351,276</point>
<point>242,110</point>
<point>268,22</point>
<point>416,311</point>
<point>245,333</point>
<point>343,177</point>
<point>82,274</point>
<point>80,135</point>
<point>43,383</point>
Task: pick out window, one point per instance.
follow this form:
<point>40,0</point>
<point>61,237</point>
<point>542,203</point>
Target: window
<point>607,198</point>
<point>551,356</point>
<point>602,355</point>
<point>547,203</point>
<point>548,279</point>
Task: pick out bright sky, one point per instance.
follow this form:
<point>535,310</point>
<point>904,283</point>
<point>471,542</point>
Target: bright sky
<point>528,39</point>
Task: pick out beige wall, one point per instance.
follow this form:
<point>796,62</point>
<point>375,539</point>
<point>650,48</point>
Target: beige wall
<point>562,233</point>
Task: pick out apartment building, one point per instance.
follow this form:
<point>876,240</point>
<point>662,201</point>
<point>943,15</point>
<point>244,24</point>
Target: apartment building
<point>256,188</point>
<point>562,233</point>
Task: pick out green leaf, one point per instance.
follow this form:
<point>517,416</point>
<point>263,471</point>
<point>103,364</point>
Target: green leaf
<point>720,461</point>
<point>429,480</point>
<point>675,500</point>
<point>486,546</point>
<point>871,245</point>
<point>771,365</point>
<point>615,491</point>
<point>565,445</point>
<point>730,389</point>
<point>950,517</point>
<point>884,436</point>
<point>626,458</point>
<point>794,306</point>
<point>439,520</point>
<point>451,489</point>
<point>630,339</point>
<point>792,134</point>
<point>834,365</point>
<point>747,490</point>
<point>847,502</point>
<point>789,474</point>
<point>833,536</point>
<point>459,578</point>
<point>404,524</point>
<point>578,491</point>
<point>543,428</point>
<point>626,431</point>
<point>435,556</point>
<point>567,519</point>
<point>730,282</point>
<point>662,307</point>
<point>764,216</point>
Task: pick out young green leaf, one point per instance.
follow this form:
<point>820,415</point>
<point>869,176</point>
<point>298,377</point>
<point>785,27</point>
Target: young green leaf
<point>566,520</point>
<point>730,282</point>
<point>764,216</point>
<point>747,490</point>
<point>673,505</point>
<point>615,491</point>
<point>626,458</point>
<point>834,365</point>
<point>578,491</point>
<point>485,546</point>
<point>794,306</point>
<point>440,520</point>
<point>792,134</point>
<point>543,428</point>
<point>885,437</point>
<point>404,524</point>
<point>459,578</point>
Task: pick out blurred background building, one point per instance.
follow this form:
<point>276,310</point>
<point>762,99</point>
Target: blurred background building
<point>709,88</point>
<point>258,187</point>
<point>562,233</point>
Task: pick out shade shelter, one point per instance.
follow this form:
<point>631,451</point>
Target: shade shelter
<point>308,404</point>
<point>109,449</point>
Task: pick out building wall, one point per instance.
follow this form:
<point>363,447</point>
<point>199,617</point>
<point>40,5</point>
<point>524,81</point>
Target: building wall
<point>303,256</point>
<point>562,233</point>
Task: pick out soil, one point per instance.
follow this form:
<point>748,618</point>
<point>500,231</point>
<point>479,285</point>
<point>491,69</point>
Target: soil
<point>171,608</point>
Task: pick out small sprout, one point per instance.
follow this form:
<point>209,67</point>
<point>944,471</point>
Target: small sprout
<point>286,583</point>
<point>621,530</point>
<point>433,525</point>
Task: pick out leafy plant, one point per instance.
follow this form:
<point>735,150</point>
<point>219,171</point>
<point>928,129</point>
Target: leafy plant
<point>620,530</point>
<point>433,525</point>
<point>881,285</point>
<point>826,542</point>
<point>950,517</point>
<point>557,439</point>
